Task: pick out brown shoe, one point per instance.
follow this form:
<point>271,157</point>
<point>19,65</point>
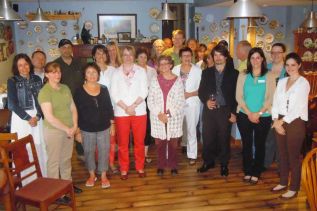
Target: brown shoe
<point>124,176</point>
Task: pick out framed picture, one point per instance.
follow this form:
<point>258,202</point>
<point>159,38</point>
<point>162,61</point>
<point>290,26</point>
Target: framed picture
<point>124,37</point>
<point>111,24</point>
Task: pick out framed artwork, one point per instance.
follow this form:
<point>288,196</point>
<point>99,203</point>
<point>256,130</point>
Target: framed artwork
<point>124,37</point>
<point>112,24</point>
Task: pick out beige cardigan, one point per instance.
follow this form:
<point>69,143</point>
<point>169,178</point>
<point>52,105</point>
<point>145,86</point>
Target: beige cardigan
<point>270,89</point>
<point>175,102</point>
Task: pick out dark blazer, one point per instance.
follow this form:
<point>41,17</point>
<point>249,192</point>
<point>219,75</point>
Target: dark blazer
<point>208,86</point>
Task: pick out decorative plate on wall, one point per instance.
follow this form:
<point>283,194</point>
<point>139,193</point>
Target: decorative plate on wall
<point>154,12</point>
<point>307,56</point>
<point>154,37</point>
<point>30,44</point>
<point>279,36</point>
<point>269,38</point>
<point>315,57</point>
<point>224,23</point>
<point>64,23</point>
<point>260,31</point>
<point>37,28</point>
<point>88,25</point>
<point>29,33</point>
<point>51,28</point>
<point>268,48</point>
<point>39,39</point>
<point>260,44</point>
<point>154,28</point>
<point>274,24</point>
<point>53,52</point>
<point>52,41</point>
<point>308,42</point>
<point>263,20</point>
<point>63,33</point>
<point>213,27</point>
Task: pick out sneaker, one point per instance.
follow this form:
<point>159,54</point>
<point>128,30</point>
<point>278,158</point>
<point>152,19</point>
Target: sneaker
<point>91,182</point>
<point>105,183</point>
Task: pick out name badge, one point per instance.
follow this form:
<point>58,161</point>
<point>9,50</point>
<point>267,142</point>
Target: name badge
<point>261,81</point>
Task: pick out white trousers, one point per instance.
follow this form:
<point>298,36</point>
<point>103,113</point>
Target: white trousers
<point>190,125</point>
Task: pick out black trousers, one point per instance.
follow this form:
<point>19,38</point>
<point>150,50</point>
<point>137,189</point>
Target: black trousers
<point>216,131</point>
<point>253,133</point>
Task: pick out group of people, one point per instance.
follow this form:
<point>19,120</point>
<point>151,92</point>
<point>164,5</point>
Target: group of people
<point>127,95</point>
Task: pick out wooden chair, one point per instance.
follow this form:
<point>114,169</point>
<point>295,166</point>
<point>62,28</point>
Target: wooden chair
<point>5,115</point>
<point>41,192</point>
<point>6,138</point>
<point>309,177</point>
<point>5,191</point>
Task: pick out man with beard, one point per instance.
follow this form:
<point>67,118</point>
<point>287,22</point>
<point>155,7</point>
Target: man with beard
<point>217,93</point>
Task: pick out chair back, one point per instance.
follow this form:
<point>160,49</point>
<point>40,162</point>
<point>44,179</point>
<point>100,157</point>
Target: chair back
<point>16,159</point>
<point>309,177</point>
<point>6,138</point>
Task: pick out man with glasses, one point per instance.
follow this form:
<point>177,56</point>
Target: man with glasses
<point>279,71</point>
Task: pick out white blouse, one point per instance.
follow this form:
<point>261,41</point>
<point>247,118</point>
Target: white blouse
<point>191,84</point>
<point>293,103</point>
<point>128,89</point>
<point>105,76</point>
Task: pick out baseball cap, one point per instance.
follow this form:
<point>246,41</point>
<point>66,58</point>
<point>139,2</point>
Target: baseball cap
<point>63,42</point>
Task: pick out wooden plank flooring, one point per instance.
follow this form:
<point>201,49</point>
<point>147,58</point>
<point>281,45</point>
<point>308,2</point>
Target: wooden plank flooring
<point>187,191</point>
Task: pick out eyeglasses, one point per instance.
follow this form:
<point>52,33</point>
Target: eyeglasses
<point>276,52</point>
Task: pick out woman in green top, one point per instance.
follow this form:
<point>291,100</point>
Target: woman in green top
<point>254,94</point>
<point>60,123</point>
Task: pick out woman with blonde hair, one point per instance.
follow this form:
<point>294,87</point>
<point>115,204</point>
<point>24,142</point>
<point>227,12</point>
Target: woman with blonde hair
<point>114,54</point>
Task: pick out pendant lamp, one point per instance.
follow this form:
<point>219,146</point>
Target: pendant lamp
<point>7,13</point>
<point>244,9</point>
<point>311,20</point>
<point>166,13</point>
<point>39,16</point>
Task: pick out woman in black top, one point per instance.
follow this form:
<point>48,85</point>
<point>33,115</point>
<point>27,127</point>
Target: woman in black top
<point>95,120</point>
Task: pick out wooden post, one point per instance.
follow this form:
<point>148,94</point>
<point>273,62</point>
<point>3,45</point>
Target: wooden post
<point>231,37</point>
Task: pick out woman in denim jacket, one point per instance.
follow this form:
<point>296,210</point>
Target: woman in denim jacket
<point>23,89</point>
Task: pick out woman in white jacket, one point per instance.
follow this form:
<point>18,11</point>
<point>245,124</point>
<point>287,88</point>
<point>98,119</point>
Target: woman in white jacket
<point>166,102</point>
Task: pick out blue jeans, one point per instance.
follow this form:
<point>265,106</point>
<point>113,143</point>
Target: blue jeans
<point>100,139</point>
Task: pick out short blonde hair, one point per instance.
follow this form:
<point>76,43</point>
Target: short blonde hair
<point>178,31</point>
<point>128,48</point>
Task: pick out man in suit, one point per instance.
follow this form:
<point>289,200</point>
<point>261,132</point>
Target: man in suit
<point>217,93</point>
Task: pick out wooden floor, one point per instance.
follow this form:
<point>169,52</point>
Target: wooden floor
<point>186,191</point>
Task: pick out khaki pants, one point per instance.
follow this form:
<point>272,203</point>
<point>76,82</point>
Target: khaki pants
<point>59,153</point>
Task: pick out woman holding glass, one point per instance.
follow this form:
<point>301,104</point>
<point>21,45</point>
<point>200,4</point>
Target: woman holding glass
<point>289,113</point>
<point>166,104</point>
<point>128,91</point>
<point>95,119</point>
<point>254,94</point>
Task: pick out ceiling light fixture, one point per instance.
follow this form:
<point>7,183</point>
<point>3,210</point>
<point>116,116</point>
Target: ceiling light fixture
<point>166,13</point>
<point>39,16</point>
<point>7,13</point>
<point>244,9</point>
<point>311,20</point>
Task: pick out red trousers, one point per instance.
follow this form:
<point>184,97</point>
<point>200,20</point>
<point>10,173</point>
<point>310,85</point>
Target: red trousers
<point>138,126</point>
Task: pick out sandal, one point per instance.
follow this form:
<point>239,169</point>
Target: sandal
<point>91,182</point>
<point>105,183</point>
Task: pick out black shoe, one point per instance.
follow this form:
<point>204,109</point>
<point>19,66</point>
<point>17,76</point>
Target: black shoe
<point>160,172</point>
<point>224,171</point>
<point>205,167</point>
<point>77,189</point>
<point>184,150</point>
<point>65,200</point>
<point>174,172</point>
